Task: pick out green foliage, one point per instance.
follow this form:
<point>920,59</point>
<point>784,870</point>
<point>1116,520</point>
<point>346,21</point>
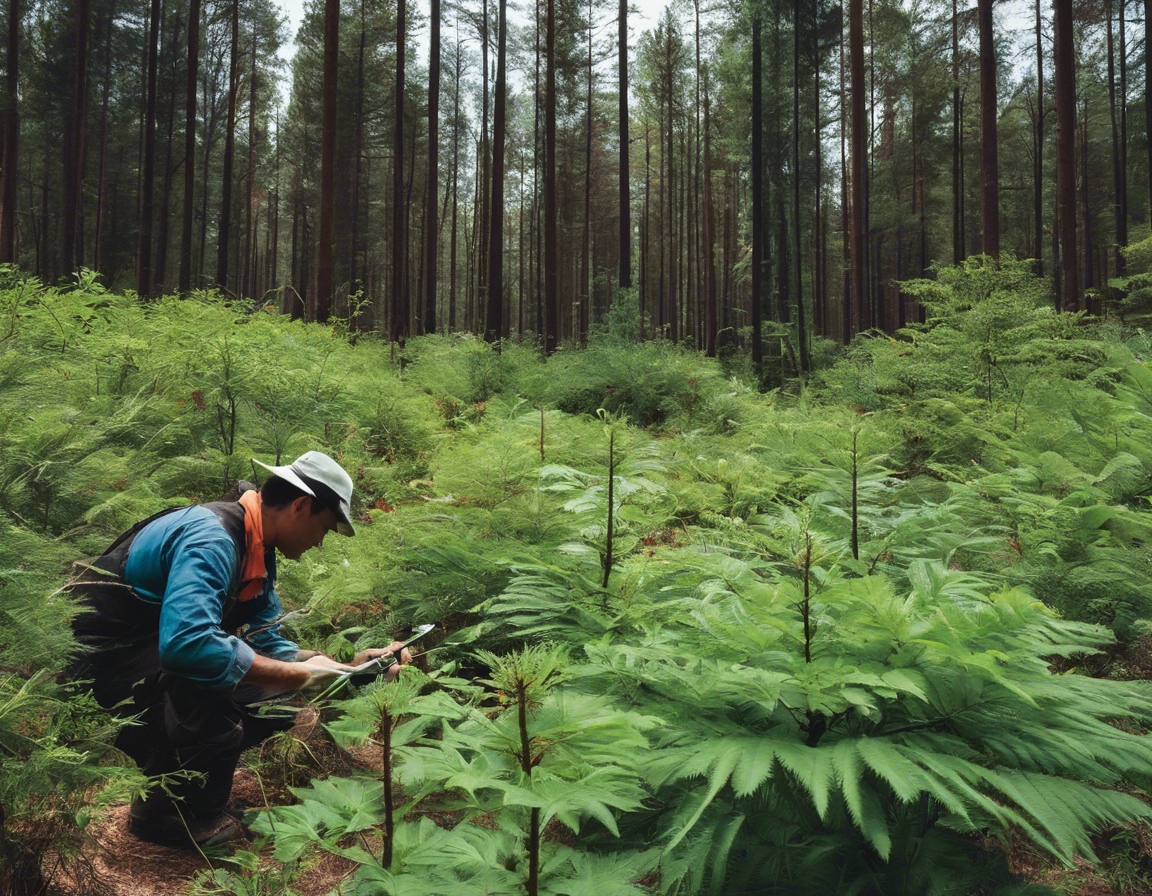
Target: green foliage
<point>819,664</point>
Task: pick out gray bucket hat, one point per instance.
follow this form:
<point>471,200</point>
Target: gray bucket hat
<point>318,475</point>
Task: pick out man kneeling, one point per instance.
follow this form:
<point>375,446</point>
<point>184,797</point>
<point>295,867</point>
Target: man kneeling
<point>181,630</point>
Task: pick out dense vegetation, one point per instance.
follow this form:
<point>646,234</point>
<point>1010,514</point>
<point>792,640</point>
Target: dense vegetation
<point>833,638</point>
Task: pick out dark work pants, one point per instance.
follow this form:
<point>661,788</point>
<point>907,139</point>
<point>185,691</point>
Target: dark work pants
<point>185,728</point>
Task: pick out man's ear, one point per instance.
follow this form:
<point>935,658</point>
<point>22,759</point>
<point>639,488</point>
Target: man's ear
<point>302,506</point>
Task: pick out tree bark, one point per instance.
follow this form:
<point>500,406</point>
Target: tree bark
<point>801,312</point>
<point>989,163</point>
<point>957,172</point>
<point>859,248</point>
<point>74,155</point>
<point>551,255</point>
<point>399,328</point>
<point>494,324</point>
<point>1118,174</point>
<point>325,281</point>
<point>625,189</point>
<point>757,194</point>
<point>1038,161</point>
<point>250,247</point>
<point>710,316</point>
<point>144,250</point>
<point>185,282</point>
<point>225,231</point>
<point>431,241</point>
<point>1066,155</point>
<point>8,175</point>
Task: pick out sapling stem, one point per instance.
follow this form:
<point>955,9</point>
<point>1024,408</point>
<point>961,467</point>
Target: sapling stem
<point>611,499</point>
<point>533,885</point>
<point>855,497</point>
<point>386,780</point>
<point>541,432</point>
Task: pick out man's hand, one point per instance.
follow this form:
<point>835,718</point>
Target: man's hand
<point>322,671</point>
<point>396,649</point>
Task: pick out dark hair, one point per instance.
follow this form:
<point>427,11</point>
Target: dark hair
<point>277,492</point>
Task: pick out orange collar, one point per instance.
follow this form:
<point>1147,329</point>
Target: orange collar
<point>254,572</point>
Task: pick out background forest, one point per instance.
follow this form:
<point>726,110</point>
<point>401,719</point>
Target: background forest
<point>753,170</point>
<point>881,633</point>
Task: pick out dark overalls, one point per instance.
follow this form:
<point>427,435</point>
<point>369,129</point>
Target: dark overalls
<point>182,727</point>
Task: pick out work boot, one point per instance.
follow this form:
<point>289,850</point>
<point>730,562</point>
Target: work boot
<point>149,820</point>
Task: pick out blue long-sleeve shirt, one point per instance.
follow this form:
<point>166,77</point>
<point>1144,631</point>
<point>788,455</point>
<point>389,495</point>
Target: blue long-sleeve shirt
<point>186,562</point>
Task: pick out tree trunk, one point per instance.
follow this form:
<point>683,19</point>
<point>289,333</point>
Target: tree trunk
<point>248,287</point>
<point>989,166</point>
<point>1066,155</point>
<point>551,254</point>
<point>358,156</point>
<point>74,152</point>
<point>584,291</point>
<point>452,248</point>
<point>494,323</point>
<point>710,321</point>
<point>757,194</point>
<point>1118,173</point>
<point>190,144</point>
<point>1124,121</point>
<point>957,172</point>
<point>8,175</point>
<point>801,312</point>
<point>431,241</point>
<point>144,250</point>
<point>160,273</point>
<point>1038,161</point>
<point>325,280</point>
<point>101,188</point>
<point>1148,90</point>
<point>399,328</point>
<point>858,236</point>
<point>625,190</point>
<point>225,231</point>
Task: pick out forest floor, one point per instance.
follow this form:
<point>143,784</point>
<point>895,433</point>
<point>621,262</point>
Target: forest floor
<point>125,866</point>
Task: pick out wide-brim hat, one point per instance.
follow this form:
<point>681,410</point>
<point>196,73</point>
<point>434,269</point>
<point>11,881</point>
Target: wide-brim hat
<point>318,475</point>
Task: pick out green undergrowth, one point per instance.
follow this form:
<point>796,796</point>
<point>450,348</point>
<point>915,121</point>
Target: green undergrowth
<point>699,638</point>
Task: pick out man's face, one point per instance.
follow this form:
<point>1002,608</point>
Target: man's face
<point>305,529</point>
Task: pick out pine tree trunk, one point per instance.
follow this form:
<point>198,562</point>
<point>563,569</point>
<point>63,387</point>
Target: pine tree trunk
<point>11,157</point>
<point>225,231</point>
<point>584,292</point>
<point>551,254</point>
<point>625,189</point>
<point>101,189</point>
<point>1118,173</point>
<point>710,315</point>
<point>671,314</point>
<point>1148,89</point>
<point>494,324</point>
<point>757,195</point>
<point>957,147</point>
<point>160,273</point>
<point>248,287</point>
<point>358,156</point>
<point>1066,156</point>
<point>858,235</point>
<point>452,248</point>
<point>989,165</point>
<point>399,328</point>
<point>801,312</point>
<point>325,280</point>
<point>74,153</point>
<point>431,232</point>
<point>1124,123</point>
<point>193,73</point>
<point>144,249</point>
<point>1038,161</point>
